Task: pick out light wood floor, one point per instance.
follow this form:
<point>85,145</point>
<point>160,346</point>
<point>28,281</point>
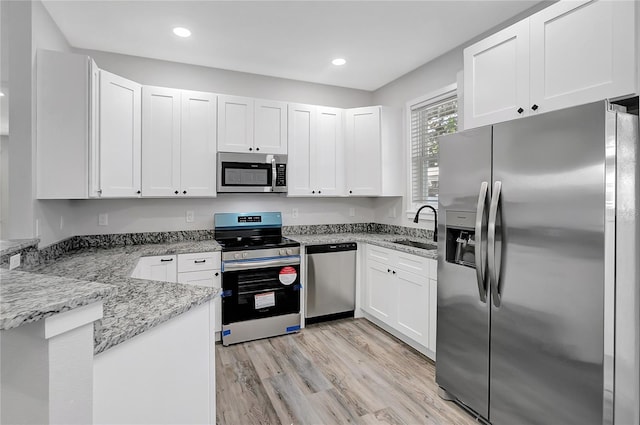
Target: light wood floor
<point>346,371</point>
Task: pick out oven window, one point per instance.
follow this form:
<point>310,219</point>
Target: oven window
<point>253,294</point>
<point>239,174</point>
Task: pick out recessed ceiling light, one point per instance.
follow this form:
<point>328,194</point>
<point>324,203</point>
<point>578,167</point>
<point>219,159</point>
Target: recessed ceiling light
<point>181,32</point>
<point>338,61</point>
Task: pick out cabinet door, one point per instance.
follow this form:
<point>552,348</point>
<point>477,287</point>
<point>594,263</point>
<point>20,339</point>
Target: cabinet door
<point>433,314</point>
<point>412,305</point>
<point>270,127</point>
<point>120,136</point>
<point>235,124</point>
<point>160,141</point>
<point>496,77</point>
<point>363,142</point>
<point>582,52</point>
<point>209,278</point>
<point>198,144</point>
<point>161,268</point>
<point>302,134</point>
<point>328,153</point>
<point>380,298</point>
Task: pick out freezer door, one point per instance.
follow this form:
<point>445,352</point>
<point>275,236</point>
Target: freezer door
<point>547,332</point>
<point>462,341</point>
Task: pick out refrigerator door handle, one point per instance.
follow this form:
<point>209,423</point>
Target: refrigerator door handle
<point>494,272</point>
<point>481,258</point>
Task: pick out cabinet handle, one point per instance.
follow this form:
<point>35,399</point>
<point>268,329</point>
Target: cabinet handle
<point>520,110</point>
<point>217,274</point>
<point>138,192</point>
<point>257,149</point>
<point>99,192</point>
<point>199,261</point>
<point>313,191</point>
<point>166,260</point>
<point>250,149</point>
<point>388,270</point>
<point>176,192</point>
<point>351,191</point>
<point>394,272</point>
<point>184,192</point>
<point>534,107</point>
<point>319,191</point>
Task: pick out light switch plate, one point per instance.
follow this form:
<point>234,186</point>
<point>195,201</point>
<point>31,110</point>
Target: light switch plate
<point>14,261</point>
<point>103,219</point>
<point>294,213</point>
<point>189,216</point>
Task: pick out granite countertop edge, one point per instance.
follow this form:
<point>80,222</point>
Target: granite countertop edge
<point>10,247</point>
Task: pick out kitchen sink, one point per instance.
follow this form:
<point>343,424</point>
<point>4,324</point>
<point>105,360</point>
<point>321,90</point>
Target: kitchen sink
<point>415,244</point>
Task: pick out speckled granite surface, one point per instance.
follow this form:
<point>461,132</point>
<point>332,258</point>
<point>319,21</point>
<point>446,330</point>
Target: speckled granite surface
<point>137,305</point>
<point>380,239</point>
<point>29,297</point>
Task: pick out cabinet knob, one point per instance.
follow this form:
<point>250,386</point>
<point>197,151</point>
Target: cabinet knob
<point>394,272</point>
<point>319,191</point>
<point>313,191</point>
<point>520,110</point>
<point>257,149</point>
<point>138,192</point>
<point>534,107</point>
<point>184,192</point>
<point>217,274</point>
<point>351,191</point>
<point>176,192</point>
<point>388,270</point>
<point>250,149</point>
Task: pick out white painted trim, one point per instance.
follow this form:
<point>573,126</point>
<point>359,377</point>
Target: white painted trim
<point>63,322</point>
<point>433,97</point>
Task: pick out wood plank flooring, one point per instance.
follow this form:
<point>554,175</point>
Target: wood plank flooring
<point>341,372</point>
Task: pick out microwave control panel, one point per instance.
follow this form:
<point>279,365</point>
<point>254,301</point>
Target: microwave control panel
<point>281,175</point>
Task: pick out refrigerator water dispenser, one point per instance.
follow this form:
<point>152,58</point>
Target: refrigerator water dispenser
<point>460,242</point>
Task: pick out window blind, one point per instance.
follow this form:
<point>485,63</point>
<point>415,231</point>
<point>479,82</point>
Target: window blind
<point>428,122</point>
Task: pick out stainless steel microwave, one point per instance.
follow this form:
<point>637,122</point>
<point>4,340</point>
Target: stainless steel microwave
<point>251,172</point>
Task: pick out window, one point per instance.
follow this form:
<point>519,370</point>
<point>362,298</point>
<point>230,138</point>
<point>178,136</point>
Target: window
<point>429,117</point>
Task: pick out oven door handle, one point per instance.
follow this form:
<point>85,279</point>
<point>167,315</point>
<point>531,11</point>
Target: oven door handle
<point>229,266</point>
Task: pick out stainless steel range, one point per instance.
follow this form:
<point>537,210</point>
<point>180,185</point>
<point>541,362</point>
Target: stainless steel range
<point>260,277</point>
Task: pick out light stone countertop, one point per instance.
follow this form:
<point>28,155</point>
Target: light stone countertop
<point>9,247</point>
<point>380,239</point>
<point>137,304</point>
<point>29,297</point>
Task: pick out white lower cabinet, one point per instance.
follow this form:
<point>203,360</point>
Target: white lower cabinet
<point>201,269</point>
<point>400,291</point>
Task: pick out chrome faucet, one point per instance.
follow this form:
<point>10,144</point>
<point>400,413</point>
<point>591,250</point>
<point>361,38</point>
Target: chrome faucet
<point>435,220</point>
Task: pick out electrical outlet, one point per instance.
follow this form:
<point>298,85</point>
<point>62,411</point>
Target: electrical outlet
<point>103,219</point>
<point>352,212</point>
<point>14,261</point>
<point>189,217</point>
<point>294,213</point>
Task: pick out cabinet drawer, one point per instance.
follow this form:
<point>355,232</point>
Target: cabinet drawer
<point>412,263</point>
<point>198,261</point>
<point>377,253</point>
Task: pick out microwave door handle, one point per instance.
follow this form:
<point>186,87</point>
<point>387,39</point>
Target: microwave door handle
<point>273,174</point>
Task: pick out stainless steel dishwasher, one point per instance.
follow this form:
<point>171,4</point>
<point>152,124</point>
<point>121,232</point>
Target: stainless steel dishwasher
<point>331,281</point>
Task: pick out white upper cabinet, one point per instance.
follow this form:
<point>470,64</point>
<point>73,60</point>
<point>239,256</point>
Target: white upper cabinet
<point>373,159</point>
<point>496,77</point>
<point>64,93</point>
<point>363,139</point>
<point>582,52</point>
<point>270,127</point>
<point>178,143</point>
<point>198,144</point>
<point>570,53</point>
<point>160,141</point>
<point>119,136</point>
<point>251,125</point>
<point>316,151</point>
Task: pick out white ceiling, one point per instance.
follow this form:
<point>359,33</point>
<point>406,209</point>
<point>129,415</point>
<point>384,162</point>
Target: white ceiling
<point>381,40</point>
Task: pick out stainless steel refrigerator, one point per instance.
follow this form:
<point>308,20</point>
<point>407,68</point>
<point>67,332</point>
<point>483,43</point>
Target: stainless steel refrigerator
<point>538,269</point>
